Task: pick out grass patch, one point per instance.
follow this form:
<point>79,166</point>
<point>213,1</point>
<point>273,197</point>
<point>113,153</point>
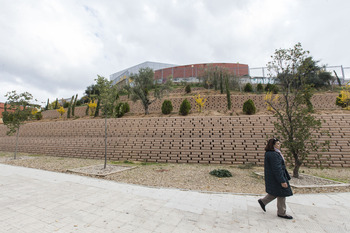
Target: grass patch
<point>150,163</point>
<point>125,162</point>
<point>34,155</point>
<point>128,162</point>
<point>334,179</point>
<point>246,166</point>
<point>256,176</point>
<point>115,162</point>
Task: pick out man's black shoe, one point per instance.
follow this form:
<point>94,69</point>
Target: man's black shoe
<point>262,205</point>
<point>285,216</point>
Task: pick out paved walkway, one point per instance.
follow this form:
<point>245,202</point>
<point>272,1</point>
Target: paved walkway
<point>37,201</point>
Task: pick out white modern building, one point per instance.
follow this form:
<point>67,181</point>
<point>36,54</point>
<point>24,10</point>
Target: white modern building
<point>123,75</point>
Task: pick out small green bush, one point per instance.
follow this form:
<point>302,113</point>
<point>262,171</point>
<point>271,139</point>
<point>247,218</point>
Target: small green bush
<point>248,87</point>
<point>126,107</point>
<point>272,87</point>
<point>185,107</point>
<point>275,89</point>
<point>268,87</point>
<point>259,88</point>
<point>119,110</point>
<point>249,107</point>
<point>188,89</point>
<point>79,103</point>
<point>38,116</point>
<point>221,173</point>
<point>66,104</point>
<point>167,107</point>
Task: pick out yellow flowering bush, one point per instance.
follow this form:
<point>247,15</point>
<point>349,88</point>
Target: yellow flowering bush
<point>344,97</point>
<point>92,107</point>
<point>269,100</point>
<point>34,111</point>
<point>199,102</point>
<point>61,111</point>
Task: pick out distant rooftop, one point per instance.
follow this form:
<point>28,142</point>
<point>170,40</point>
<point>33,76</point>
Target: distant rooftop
<point>121,75</point>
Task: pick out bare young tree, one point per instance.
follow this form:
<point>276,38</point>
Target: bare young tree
<point>107,97</point>
<point>17,110</point>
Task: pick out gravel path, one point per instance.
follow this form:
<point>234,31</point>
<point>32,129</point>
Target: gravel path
<point>182,176</point>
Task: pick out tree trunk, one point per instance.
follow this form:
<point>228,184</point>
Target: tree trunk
<point>296,169</point>
<point>105,165</point>
<point>16,143</point>
<point>146,110</point>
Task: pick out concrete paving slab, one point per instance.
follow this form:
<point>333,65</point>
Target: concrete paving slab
<point>33,200</point>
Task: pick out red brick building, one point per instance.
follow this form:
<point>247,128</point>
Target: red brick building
<point>195,71</point>
<point>1,109</point>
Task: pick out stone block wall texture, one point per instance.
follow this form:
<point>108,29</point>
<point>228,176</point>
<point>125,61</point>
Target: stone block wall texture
<point>208,140</point>
<point>214,102</point>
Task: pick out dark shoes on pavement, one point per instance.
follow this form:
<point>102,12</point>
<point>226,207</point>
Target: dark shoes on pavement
<point>262,205</point>
<point>285,216</point>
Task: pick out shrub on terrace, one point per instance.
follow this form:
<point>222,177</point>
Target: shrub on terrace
<point>248,87</point>
<point>259,88</point>
<point>249,107</point>
<point>185,107</point>
<point>126,107</point>
<point>38,116</point>
<point>167,107</point>
<point>271,87</point>
<point>119,110</point>
<point>338,102</point>
<point>188,89</point>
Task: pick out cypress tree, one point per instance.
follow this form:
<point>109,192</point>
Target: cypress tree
<point>56,104</point>
<point>215,79</point>
<point>87,110</point>
<point>69,107</point>
<point>221,82</point>
<point>74,104</point>
<point>228,94</point>
<point>97,112</point>
<point>47,105</point>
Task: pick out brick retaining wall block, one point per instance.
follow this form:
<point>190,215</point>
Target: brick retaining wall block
<point>210,140</point>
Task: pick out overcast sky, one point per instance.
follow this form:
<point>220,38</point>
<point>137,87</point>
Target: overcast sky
<point>56,48</point>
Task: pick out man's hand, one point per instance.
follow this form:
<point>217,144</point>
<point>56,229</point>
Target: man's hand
<point>284,185</point>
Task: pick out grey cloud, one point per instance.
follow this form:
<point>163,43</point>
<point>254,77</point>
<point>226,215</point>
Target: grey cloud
<point>56,48</point>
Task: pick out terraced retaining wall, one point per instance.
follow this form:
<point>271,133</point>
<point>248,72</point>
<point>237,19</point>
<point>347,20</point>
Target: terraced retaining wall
<point>209,140</point>
<point>214,102</point>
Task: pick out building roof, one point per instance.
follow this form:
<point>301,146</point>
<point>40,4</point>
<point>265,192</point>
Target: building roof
<point>116,77</point>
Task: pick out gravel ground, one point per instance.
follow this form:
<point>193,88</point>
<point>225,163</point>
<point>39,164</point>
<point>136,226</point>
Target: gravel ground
<point>182,176</point>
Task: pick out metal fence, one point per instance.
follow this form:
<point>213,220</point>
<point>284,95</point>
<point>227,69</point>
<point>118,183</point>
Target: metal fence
<point>256,74</point>
<point>261,74</point>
